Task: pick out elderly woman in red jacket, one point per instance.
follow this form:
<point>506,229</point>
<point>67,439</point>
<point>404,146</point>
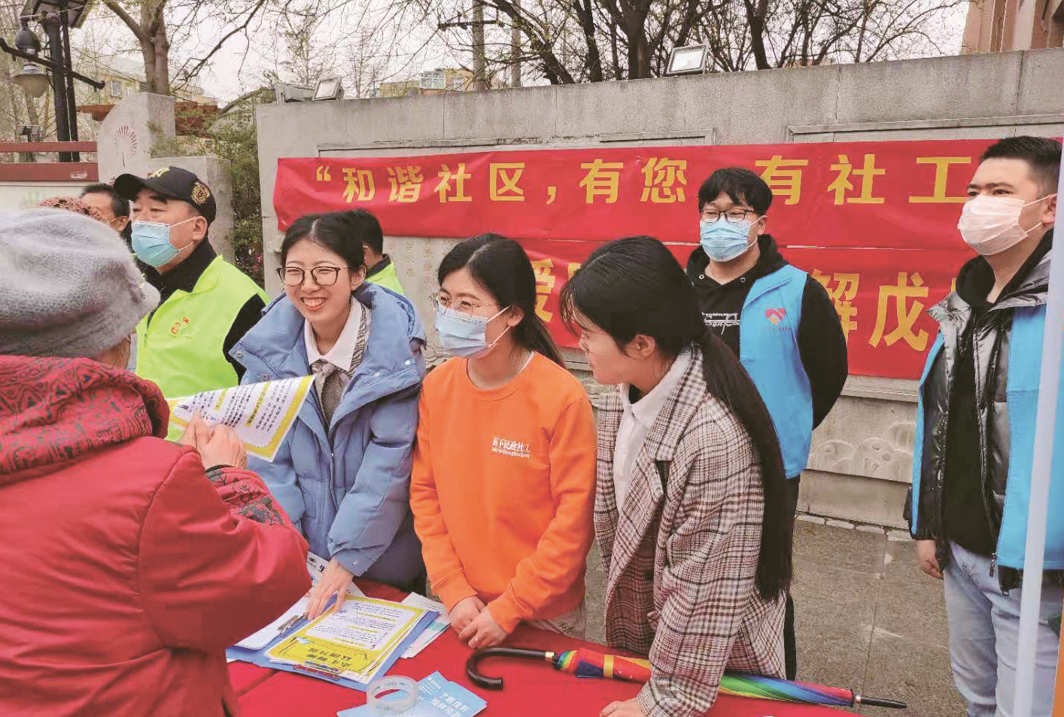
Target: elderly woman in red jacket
<point>128,563</point>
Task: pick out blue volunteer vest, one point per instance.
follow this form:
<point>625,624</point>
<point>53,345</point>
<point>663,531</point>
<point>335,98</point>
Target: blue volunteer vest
<point>768,350</point>
<point>1021,394</point>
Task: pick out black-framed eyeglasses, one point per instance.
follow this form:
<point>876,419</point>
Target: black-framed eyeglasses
<point>322,275</point>
<point>732,216</point>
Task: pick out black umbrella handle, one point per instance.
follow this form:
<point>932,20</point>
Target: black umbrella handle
<point>495,683</point>
<point>878,702</point>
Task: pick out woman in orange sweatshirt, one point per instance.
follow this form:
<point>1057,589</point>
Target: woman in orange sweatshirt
<point>503,482</point>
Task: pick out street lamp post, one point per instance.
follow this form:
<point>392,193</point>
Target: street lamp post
<point>54,16</point>
<point>32,79</point>
<point>62,93</point>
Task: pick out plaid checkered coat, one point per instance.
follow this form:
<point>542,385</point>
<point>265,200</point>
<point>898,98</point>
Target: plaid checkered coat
<point>681,558</point>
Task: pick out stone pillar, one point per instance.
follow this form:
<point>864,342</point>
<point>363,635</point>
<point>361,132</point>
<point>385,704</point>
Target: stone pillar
<point>215,173</point>
<point>131,129</point>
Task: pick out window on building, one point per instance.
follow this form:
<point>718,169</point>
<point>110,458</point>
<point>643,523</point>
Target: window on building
<point>457,84</point>
<point>116,88</point>
<point>432,80</point>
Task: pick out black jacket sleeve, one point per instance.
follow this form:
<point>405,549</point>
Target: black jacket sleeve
<point>249,316</point>
<point>822,346</point>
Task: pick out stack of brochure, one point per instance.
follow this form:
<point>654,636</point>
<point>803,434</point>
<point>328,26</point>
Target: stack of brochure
<point>353,642</point>
<point>437,628</point>
<point>350,645</point>
<point>293,615</point>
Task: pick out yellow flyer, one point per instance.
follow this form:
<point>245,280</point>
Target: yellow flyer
<point>261,413</point>
<point>354,641</point>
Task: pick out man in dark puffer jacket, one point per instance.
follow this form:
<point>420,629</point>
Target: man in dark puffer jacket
<point>976,424</point>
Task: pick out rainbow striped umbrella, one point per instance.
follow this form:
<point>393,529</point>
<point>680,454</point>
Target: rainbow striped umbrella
<point>594,664</point>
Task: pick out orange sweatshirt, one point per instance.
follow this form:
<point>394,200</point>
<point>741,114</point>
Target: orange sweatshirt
<point>503,490</point>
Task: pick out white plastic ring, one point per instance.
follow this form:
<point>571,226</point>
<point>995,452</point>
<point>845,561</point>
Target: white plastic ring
<point>391,695</point>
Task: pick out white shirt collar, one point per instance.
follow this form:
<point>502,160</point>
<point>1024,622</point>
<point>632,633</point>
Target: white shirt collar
<point>645,411</point>
<point>344,348</point>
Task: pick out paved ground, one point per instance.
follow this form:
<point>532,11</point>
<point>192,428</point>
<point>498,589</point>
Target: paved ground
<point>867,618</point>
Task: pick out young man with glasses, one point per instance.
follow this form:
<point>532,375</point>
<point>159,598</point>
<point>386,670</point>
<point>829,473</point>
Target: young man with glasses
<point>207,303</point>
<point>777,319</point>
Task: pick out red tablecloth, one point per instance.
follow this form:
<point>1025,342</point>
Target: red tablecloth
<point>246,677</point>
<point>531,689</point>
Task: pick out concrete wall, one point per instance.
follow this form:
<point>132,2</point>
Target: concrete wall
<point>863,452</point>
<point>27,195</point>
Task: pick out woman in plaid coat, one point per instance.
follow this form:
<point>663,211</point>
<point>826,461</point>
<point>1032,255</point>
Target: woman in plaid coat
<point>690,504</point>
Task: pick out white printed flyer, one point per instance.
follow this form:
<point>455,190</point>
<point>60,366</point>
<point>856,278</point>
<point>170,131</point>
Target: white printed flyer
<point>261,413</point>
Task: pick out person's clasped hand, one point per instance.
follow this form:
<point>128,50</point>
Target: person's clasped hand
<point>333,582</point>
<point>464,612</point>
<point>217,445</point>
<point>483,631</point>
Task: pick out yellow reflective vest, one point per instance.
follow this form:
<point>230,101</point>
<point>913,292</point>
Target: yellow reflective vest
<point>180,346</point>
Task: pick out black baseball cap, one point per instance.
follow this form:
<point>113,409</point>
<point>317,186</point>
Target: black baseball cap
<point>172,183</point>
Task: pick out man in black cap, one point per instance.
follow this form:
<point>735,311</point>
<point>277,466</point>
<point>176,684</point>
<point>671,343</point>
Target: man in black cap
<point>207,304</point>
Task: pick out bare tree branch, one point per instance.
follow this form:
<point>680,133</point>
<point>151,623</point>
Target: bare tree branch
<point>200,63</point>
<point>133,25</point>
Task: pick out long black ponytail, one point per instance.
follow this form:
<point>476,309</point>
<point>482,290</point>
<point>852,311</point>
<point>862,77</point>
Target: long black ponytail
<point>635,286</point>
<point>503,269</point>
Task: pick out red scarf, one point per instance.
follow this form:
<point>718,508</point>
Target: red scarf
<point>56,410</point>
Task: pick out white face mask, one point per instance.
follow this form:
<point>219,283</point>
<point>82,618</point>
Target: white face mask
<point>991,225</point>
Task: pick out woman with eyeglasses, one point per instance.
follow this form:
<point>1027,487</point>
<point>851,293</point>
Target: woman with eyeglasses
<point>504,471</point>
<point>343,472</point>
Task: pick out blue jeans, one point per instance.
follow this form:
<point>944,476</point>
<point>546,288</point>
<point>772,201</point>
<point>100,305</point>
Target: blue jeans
<point>984,628</point>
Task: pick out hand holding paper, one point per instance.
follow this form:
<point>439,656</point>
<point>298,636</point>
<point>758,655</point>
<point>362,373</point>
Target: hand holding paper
<point>196,432</point>
<point>217,446</point>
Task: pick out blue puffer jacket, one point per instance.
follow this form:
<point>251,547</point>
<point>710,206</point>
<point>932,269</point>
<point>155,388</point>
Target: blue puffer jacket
<point>347,487</point>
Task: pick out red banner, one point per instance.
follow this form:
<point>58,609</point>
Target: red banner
<point>875,222</point>
<point>881,296</point>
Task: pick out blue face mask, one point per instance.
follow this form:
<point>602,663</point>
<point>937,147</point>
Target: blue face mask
<point>463,334</point>
<point>724,241</point>
<point>151,242</point>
